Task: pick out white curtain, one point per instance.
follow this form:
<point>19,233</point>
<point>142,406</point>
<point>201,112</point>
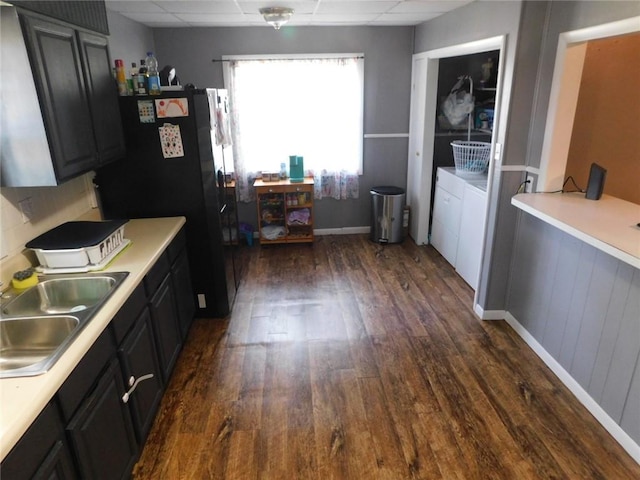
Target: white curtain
<point>310,107</point>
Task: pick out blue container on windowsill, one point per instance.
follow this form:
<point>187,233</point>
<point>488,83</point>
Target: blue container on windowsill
<point>296,169</point>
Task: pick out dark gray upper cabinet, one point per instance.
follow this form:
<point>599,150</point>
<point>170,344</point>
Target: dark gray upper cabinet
<point>90,14</point>
<point>55,57</point>
<point>103,97</point>
<point>78,101</point>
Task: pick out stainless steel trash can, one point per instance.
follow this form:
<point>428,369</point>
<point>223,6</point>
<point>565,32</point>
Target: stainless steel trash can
<point>387,208</point>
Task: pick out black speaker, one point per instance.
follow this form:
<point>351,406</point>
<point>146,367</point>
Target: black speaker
<point>597,176</point>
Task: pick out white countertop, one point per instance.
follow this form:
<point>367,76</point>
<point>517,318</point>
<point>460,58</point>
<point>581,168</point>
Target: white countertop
<point>477,180</point>
<point>609,224</point>
<point>22,399</point>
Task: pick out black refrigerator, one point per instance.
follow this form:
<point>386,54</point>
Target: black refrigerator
<point>175,166</point>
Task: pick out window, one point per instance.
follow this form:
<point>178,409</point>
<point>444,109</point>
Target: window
<point>304,105</point>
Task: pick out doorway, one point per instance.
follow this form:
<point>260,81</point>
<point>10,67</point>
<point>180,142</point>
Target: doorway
<point>423,142</point>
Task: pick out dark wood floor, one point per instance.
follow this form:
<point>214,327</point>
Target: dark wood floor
<point>348,360</point>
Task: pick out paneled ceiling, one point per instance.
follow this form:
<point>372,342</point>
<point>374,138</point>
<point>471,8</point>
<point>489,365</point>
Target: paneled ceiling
<point>244,13</point>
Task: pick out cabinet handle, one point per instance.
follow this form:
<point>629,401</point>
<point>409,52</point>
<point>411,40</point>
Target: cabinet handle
<point>271,190</point>
<point>298,189</point>
<point>133,383</point>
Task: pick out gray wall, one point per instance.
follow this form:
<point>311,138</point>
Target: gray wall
<point>387,52</point>
<point>579,303</point>
<point>477,21</point>
<point>583,307</point>
<point>565,17</point>
<point>128,40</point>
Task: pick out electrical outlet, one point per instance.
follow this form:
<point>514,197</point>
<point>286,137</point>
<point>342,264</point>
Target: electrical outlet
<point>528,187</point>
<point>202,302</point>
<point>26,209</point>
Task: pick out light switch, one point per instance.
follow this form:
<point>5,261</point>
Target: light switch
<point>26,209</point>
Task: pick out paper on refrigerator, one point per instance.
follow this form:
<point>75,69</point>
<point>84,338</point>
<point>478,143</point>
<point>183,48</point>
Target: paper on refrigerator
<point>171,141</point>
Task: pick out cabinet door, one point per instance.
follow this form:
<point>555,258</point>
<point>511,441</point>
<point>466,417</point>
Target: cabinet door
<point>103,97</point>
<point>41,452</point>
<point>102,432</point>
<point>471,235</point>
<point>446,224</point>
<point>185,302</point>
<point>165,327</point>
<point>57,466</point>
<point>139,358</point>
<point>55,58</point>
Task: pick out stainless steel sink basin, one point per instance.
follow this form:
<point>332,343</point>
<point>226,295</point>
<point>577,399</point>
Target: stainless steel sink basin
<point>27,343</point>
<point>38,324</point>
<point>57,296</point>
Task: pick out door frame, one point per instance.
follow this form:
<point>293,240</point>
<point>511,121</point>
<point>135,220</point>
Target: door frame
<point>563,97</point>
<point>420,157</point>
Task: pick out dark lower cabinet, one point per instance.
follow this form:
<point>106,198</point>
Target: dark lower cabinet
<point>102,431</point>
<point>41,453</point>
<point>181,280</point>
<point>162,307</point>
<point>58,464</point>
<point>139,361</point>
<point>107,419</point>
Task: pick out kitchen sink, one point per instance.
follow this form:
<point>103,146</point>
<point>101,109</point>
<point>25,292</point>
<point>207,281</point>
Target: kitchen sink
<point>38,324</point>
<point>62,295</point>
<point>27,343</point>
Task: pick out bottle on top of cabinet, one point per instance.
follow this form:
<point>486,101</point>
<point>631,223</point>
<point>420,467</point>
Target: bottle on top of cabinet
<point>121,78</point>
<point>141,79</point>
<point>153,77</point>
<point>132,81</point>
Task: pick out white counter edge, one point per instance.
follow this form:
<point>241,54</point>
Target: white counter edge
<point>578,226</point>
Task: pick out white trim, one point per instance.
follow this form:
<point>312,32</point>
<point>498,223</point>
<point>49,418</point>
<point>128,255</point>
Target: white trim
<point>512,168</point>
<point>341,231</point>
<point>553,166</point>
<point>518,168</point>
<point>580,393</point>
<point>478,46</point>
<point>488,314</point>
<point>386,135</point>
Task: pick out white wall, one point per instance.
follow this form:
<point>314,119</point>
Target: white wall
<point>51,206</point>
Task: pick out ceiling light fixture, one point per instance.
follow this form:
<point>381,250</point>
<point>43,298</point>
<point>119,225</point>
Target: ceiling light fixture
<point>276,16</point>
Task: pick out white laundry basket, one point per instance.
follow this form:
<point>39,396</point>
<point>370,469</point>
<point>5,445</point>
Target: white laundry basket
<point>471,157</point>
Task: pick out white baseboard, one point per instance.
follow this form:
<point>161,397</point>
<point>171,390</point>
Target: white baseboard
<point>333,231</point>
<point>341,231</point>
<point>488,314</point>
<point>581,394</point>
